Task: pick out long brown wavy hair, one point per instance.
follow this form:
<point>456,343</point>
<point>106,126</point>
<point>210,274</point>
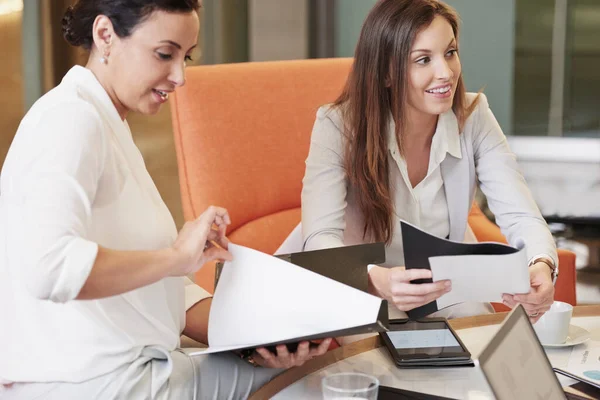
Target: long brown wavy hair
<point>369,99</point>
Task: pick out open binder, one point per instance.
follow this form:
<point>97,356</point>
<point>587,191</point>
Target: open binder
<point>263,300</point>
<point>346,264</point>
<point>480,272</point>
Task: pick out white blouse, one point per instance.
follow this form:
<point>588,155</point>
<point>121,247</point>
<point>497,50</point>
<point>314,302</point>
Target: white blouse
<point>74,179</point>
<point>425,204</point>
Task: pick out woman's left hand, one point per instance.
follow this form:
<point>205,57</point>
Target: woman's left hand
<point>541,296</point>
<point>285,359</point>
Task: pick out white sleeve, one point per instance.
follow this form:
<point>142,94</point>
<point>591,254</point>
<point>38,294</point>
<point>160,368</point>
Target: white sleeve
<point>60,161</point>
<point>507,193</point>
<point>324,187</point>
<point>193,293</point>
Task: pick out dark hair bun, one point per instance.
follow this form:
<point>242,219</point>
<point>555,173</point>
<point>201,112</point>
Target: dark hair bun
<point>78,21</point>
<point>74,31</point>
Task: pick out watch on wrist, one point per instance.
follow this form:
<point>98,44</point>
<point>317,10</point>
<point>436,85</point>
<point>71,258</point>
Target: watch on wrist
<point>549,262</point>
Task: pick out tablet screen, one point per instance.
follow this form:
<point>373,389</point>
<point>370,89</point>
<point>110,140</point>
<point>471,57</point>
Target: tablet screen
<point>423,338</point>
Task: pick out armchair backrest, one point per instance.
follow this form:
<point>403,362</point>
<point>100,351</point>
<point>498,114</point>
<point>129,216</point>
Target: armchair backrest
<point>242,133</point>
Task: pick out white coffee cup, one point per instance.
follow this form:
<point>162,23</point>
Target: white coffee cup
<point>553,326</point>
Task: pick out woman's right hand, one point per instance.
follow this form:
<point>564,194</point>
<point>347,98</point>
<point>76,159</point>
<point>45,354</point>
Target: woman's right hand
<point>394,285</point>
<point>201,240</point>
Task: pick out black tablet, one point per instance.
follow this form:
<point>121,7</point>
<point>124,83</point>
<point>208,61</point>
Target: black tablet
<point>428,342</point>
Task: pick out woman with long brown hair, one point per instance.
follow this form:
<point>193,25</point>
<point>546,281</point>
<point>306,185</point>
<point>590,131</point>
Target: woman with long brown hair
<point>404,141</point>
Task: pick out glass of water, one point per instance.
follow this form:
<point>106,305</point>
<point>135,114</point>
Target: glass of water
<point>350,385</point>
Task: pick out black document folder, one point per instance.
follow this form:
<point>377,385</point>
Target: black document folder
<point>381,325</point>
<point>347,265</point>
<point>419,246</point>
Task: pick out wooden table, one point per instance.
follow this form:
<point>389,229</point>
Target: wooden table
<point>293,375</point>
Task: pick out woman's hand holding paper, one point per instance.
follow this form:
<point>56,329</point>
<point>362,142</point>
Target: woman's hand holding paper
<point>540,298</point>
<point>394,285</point>
<point>201,240</point>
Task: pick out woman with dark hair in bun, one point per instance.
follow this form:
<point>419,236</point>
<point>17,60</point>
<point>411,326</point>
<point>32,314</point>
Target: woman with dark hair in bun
<point>93,273</point>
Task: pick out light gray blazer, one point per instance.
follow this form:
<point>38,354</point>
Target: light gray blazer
<point>330,213</point>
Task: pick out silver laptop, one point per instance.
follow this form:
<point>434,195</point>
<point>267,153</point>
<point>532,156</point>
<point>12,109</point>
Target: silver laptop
<point>515,364</point>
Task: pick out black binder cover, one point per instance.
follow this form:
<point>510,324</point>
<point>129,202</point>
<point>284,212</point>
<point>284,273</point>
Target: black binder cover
<point>378,326</point>
<point>347,265</point>
<point>419,246</point>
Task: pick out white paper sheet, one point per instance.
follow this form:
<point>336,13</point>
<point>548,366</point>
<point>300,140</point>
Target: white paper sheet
<point>261,299</point>
<point>481,278</point>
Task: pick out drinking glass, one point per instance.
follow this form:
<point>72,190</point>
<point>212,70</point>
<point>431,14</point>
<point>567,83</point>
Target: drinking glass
<point>350,385</point>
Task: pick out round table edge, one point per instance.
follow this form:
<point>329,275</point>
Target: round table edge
<point>293,375</point>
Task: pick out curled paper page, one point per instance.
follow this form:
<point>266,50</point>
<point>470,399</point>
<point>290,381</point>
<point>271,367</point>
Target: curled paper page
<point>481,278</point>
<point>261,299</point>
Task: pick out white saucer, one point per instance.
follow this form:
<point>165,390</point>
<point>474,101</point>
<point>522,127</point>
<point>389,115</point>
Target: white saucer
<point>577,335</point>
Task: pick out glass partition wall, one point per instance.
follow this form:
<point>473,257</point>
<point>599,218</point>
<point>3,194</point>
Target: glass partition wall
<point>557,68</point>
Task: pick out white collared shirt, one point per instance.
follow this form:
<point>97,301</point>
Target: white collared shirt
<point>425,204</point>
<point>74,179</point>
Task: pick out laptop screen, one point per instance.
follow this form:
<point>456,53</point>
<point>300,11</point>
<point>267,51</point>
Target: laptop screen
<point>515,364</point>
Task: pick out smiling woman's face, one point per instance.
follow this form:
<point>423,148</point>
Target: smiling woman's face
<point>143,68</point>
<point>433,69</point>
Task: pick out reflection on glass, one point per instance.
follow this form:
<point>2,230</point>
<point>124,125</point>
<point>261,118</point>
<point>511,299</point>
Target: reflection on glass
<point>535,23</point>
<point>582,90</point>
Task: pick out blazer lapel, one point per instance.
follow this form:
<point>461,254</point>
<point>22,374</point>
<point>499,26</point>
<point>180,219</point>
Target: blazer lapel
<point>455,173</point>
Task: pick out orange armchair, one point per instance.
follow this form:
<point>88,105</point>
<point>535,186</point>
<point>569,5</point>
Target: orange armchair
<point>486,231</point>
<point>242,133</point>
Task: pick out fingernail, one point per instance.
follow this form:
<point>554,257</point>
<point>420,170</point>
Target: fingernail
<point>448,284</point>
